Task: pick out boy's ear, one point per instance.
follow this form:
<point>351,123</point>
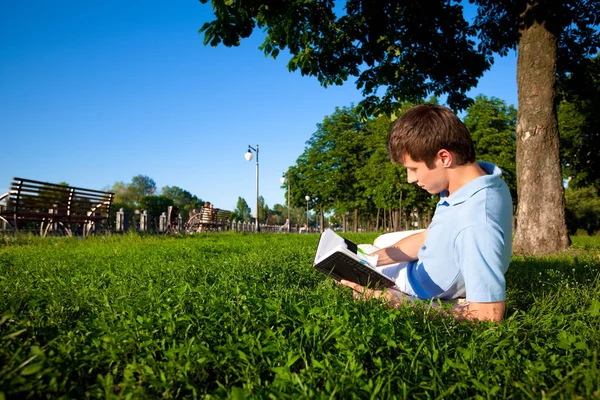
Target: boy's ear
<point>445,157</point>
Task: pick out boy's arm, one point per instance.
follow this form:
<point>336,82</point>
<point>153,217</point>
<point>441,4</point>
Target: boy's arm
<point>406,249</point>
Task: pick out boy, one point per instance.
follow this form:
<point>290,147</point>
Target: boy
<point>466,250</point>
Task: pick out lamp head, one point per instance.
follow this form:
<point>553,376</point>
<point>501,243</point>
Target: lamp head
<point>282,179</point>
<point>307,197</point>
<point>248,155</point>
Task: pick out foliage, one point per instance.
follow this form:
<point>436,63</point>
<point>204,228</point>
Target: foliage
<point>131,193</point>
<point>155,205</point>
<point>142,185</point>
<point>116,207</point>
<point>122,194</point>
<point>403,50</point>
<point>406,51</point>
<point>277,215</point>
<point>182,199</point>
<point>242,211</point>
<point>493,125</point>
<point>235,316</point>
<point>583,209</point>
<point>264,211</point>
<point>579,125</point>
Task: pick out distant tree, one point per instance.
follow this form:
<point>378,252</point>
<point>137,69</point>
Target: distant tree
<point>130,193</point>
<point>407,50</point>
<point>278,215</point>
<point>326,170</point>
<point>579,126</point>
<point>128,208</point>
<point>142,185</point>
<point>242,211</point>
<point>493,126</point>
<point>184,200</point>
<point>265,211</point>
<point>122,194</point>
<point>583,210</point>
<point>155,205</point>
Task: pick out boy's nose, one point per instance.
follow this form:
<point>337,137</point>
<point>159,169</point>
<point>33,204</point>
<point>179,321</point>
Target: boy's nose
<point>410,177</point>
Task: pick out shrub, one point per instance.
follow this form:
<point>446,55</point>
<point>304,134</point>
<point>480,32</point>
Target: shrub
<point>582,210</point>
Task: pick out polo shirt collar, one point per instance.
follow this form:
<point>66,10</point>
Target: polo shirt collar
<point>493,175</point>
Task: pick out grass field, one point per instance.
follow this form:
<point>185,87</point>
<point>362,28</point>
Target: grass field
<point>245,316</point>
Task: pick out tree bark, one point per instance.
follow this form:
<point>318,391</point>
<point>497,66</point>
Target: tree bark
<point>541,227</point>
<point>355,222</point>
<point>400,212</point>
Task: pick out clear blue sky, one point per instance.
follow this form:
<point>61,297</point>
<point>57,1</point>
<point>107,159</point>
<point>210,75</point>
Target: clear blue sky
<point>97,92</point>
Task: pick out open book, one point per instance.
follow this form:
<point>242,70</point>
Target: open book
<point>341,259</point>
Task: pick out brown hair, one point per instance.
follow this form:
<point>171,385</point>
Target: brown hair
<point>424,130</point>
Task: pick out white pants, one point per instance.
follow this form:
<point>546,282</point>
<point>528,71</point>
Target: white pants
<point>396,272</point>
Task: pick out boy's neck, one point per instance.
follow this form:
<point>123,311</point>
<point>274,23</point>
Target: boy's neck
<point>460,175</point>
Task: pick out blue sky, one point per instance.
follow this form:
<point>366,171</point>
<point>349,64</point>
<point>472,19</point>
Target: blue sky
<point>97,92</point>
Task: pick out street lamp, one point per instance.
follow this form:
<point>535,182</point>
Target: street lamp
<point>283,180</point>
<point>248,156</point>
<point>307,198</point>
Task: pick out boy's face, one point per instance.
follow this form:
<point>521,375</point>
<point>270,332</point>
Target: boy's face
<point>433,180</point>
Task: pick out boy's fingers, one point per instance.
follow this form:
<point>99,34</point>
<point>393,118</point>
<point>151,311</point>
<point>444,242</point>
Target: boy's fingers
<point>352,285</point>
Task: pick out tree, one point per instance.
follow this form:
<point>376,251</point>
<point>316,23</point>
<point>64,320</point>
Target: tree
<point>579,127</point>
<point>242,211</point>
<point>129,194</point>
<point>415,48</point>
<point>583,210</point>
<point>184,200</point>
<point>264,210</point>
<point>142,185</point>
<point>123,196</point>
<point>277,215</point>
<point>155,205</point>
<point>492,125</point>
<point>326,169</point>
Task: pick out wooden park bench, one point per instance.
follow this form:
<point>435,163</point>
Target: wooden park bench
<point>56,208</point>
<point>208,219</point>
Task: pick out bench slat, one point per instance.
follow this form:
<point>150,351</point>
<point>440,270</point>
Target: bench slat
<point>64,191</point>
<point>29,181</point>
<point>31,200</point>
<point>34,203</point>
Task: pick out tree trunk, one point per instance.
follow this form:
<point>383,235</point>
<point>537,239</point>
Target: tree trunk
<point>355,222</point>
<point>377,220</point>
<point>400,212</point>
<point>345,223</point>
<point>321,218</point>
<point>541,227</point>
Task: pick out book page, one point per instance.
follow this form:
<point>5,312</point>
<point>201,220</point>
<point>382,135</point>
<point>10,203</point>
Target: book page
<point>368,248</point>
<point>327,244</point>
<point>331,242</point>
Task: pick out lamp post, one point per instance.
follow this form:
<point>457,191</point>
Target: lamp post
<point>307,198</point>
<point>283,180</point>
<point>248,156</point>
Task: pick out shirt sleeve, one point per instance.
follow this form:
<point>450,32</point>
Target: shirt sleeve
<point>479,252</point>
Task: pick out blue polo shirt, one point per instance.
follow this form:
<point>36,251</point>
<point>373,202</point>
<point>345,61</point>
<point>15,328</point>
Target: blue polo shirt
<point>468,245</point>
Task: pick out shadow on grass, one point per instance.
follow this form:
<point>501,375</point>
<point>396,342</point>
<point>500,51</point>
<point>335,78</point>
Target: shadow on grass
<point>564,281</point>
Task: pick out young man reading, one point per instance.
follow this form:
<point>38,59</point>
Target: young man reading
<point>466,250</point>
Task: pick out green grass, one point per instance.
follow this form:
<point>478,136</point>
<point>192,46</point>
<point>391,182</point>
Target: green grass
<point>235,316</point>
